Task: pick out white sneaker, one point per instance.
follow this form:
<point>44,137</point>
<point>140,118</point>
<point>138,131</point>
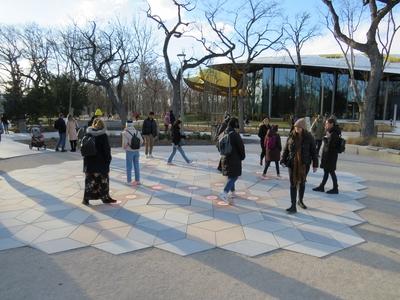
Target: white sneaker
<point>151,156</point>
<point>224,197</point>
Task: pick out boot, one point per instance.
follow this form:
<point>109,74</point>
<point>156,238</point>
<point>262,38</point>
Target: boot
<point>335,190</point>
<point>319,188</point>
<point>85,202</point>
<point>109,200</point>
<point>302,188</point>
<point>293,193</point>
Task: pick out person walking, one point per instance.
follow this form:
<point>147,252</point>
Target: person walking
<point>232,163</point>
<point>149,132</point>
<point>72,132</point>
<point>262,132</point>
<point>222,127</point>
<point>1,130</point>
<point>330,156</point>
<point>131,142</point>
<point>298,154</point>
<point>172,118</point>
<point>60,125</point>
<point>318,131</point>
<point>177,137</point>
<point>5,122</point>
<point>273,148</point>
<point>97,167</point>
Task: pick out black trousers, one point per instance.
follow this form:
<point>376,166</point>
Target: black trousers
<point>262,155</point>
<point>333,176</point>
<point>301,187</point>
<point>73,145</point>
<point>268,163</point>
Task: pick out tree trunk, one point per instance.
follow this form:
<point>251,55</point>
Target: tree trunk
<point>117,104</point>
<point>241,113</point>
<point>176,100</point>
<point>376,60</point>
<point>300,110</point>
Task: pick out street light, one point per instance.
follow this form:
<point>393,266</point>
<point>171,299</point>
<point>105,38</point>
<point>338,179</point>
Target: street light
<point>181,55</point>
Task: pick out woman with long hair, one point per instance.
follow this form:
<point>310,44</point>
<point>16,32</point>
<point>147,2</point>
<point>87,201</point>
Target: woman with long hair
<point>177,137</point>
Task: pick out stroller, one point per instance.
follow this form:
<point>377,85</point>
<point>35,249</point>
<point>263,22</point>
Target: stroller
<point>37,139</point>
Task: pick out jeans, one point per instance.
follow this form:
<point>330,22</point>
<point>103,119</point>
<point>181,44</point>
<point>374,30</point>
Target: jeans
<point>230,184</point>
<point>132,157</point>
<point>61,140</point>
<point>179,148</point>
<point>149,143</point>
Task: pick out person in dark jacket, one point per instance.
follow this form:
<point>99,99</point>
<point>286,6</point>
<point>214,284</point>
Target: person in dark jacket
<point>262,132</point>
<point>232,163</point>
<point>330,156</point>
<point>60,125</point>
<point>298,155</point>
<point>172,118</point>
<point>4,121</point>
<point>222,127</point>
<point>177,137</point>
<point>149,132</point>
<point>318,131</point>
<point>97,168</point>
<point>273,148</point>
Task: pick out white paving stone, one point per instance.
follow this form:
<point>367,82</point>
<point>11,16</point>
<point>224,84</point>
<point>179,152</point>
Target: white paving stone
<point>185,247</point>
<point>249,248</point>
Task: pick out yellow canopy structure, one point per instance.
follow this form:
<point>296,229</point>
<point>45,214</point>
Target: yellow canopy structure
<point>214,81</point>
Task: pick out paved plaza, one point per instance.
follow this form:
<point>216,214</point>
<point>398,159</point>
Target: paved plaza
<point>176,209</point>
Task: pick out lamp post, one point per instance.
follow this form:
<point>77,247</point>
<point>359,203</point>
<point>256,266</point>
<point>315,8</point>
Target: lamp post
<point>181,58</point>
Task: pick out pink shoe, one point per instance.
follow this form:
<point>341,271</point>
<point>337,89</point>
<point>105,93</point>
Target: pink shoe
<point>134,183</point>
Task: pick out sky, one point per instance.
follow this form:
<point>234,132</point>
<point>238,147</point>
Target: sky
<point>58,13</point>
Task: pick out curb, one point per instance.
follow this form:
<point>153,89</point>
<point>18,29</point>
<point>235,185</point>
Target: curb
<point>389,155</point>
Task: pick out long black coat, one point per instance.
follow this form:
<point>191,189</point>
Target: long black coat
<point>330,149</point>
<point>232,164</point>
<point>308,150</point>
<point>101,162</point>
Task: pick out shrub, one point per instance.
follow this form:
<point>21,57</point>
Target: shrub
<point>392,143</point>
<point>355,127</point>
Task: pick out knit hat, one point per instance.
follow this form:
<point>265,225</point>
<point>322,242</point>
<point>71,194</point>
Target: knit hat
<point>98,112</point>
<point>301,123</point>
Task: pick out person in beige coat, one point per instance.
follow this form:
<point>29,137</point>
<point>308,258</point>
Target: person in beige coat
<point>72,127</point>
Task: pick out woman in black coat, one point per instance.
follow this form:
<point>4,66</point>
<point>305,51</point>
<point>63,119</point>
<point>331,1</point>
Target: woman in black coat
<point>298,155</point>
<point>273,148</point>
<point>97,167</point>
<point>330,156</point>
<point>262,132</point>
<point>232,164</point>
<point>177,137</point>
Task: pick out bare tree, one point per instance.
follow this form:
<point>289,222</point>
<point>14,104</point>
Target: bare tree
<point>255,33</point>
<point>296,35</point>
<point>102,58</point>
<point>371,49</point>
<point>179,30</point>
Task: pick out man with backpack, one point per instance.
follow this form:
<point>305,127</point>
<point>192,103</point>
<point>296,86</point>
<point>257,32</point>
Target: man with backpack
<point>149,132</point>
<point>131,142</point>
<point>232,152</point>
<point>60,125</point>
<point>332,146</point>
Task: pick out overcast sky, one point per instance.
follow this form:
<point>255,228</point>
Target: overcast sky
<point>55,13</point>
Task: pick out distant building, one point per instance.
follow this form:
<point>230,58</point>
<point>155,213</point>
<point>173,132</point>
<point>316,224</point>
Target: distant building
<point>326,85</point>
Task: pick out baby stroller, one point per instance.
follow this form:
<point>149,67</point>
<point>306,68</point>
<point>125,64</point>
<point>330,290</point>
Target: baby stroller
<point>37,139</point>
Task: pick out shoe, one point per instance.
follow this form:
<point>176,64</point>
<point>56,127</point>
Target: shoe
<point>151,156</point>
<point>278,175</point>
<point>109,201</point>
<point>301,204</point>
<point>319,189</point>
<point>224,197</point>
<point>63,150</point>
<point>134,183</point>
<point>57,150</point>
<point>170,163</point>
<point>292,209</point>
<point>264,175</point>
<point>261,162</point>
<point>190,162</point>
<point>85,202</point>
<point>333,191</point>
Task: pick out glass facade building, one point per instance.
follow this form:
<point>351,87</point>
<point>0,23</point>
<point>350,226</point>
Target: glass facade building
<point>326,87</point>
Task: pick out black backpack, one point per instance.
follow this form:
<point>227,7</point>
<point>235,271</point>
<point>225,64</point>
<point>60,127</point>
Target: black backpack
<point>341,145</point>
<point>135,141</point>
<point>88,145</point>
